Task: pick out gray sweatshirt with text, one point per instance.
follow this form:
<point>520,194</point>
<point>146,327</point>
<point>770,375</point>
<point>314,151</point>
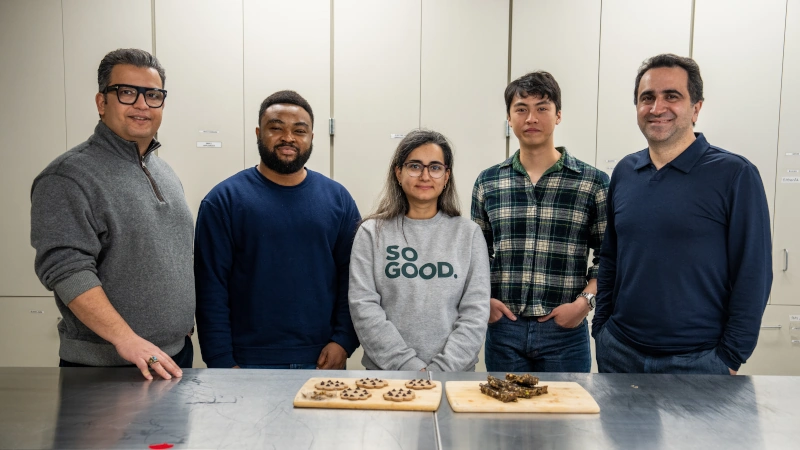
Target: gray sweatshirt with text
<point>419,293</point>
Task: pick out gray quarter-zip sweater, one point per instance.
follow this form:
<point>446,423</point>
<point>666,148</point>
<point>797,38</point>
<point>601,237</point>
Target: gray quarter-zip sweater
<point>101,215</point>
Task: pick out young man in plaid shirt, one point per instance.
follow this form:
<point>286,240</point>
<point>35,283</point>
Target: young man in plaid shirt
<point>540,211</point>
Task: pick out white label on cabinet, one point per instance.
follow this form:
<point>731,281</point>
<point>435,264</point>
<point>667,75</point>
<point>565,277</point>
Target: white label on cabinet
<point>793,171</point>
<point>397,136</point>
<point>794,318</point>
<point>790,180</point>
<point>209,144</point>
<point>792,154</point>
<point>209,131</point>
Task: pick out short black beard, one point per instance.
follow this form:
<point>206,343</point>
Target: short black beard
<point>273,162</point>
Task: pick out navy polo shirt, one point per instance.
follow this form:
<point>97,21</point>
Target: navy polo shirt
<point>686,262</point>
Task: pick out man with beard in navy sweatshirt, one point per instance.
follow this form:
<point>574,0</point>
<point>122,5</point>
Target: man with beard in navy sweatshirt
<point>272,255</point>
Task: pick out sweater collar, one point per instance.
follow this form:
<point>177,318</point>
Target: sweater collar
<point>129,150</point>
<point>685,161</point>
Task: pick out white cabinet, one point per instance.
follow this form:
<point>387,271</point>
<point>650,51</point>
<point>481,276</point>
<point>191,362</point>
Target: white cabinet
<point>32,125</point>
<point>739,47</point>
<point>463,79</point>
<point>202,134</point>
<point>376,83</point>
<point>562,38</point>
<point>626,40</point>
<point>786,242</point>
<point>775,353</point>
<point>302,63</point>
<point>86,40</point>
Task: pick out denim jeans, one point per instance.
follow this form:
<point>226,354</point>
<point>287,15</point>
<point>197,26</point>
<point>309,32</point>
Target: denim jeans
<point>525,345</point>
<point>183,358</point>
<point>279,366</point>
<point>614,356</point>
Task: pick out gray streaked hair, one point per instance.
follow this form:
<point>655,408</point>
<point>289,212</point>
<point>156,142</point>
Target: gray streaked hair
<point>132,56</point>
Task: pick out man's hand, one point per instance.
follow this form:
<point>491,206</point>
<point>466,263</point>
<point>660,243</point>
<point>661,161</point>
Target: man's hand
<point>137,351</point>
<point>498,309</point>
<point>568,315</point>
<point>733,372</point>
<point>332,357</point>
<point>96,312</point>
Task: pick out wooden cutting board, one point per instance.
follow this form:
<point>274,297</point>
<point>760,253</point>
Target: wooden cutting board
<point>426,399</point>
<point>561,397</point>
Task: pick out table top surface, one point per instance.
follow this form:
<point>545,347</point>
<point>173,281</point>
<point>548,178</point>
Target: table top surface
<point>226,408</point>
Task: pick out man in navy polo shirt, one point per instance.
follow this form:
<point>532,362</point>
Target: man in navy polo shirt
<point>685,267</point>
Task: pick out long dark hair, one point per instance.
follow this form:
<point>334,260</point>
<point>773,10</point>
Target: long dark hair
<point>393,202</point>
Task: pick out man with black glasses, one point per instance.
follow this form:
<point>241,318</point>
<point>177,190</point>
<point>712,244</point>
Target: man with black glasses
<point>113,233</point>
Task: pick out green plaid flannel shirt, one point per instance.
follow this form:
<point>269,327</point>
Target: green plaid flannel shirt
<point>539,236</point>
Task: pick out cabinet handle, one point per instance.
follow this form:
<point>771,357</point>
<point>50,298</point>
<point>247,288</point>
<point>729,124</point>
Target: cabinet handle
<point>771,327</point>
<point>785,260</point>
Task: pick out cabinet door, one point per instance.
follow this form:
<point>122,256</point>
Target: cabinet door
<point>562,38</point>
<point>86,40</point>
<point>628,37</point>
<point>786,244</point>
<point>739,47</point>
<point>32,126</point>
<point>376,73</point>
<point>775,353</point>
<point>303,64</point>
<point>28,333</point>
<point>202,134</point>
<point>471,111</point>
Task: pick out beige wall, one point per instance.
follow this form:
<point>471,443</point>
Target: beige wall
<point>382,68</point>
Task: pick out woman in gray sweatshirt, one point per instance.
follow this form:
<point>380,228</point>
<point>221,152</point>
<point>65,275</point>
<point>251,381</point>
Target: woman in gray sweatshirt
<point>419,272</point>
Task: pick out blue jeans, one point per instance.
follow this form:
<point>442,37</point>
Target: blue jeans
<point>614,356</point>
<point>279,366</point>
<point>525,345</point>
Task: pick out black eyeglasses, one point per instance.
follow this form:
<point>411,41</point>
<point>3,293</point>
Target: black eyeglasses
<point>435,170</point>
<point>128,94</point>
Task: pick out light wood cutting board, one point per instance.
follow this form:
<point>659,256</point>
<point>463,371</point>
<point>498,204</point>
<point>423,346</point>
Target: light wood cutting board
<point>426,400</point>
<point>561,397</point>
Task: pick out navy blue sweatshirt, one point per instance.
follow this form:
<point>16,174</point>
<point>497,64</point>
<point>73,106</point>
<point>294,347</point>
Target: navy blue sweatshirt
<point>272,270</point>
<point>686,262</point>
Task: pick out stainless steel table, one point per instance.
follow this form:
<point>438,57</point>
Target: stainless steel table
<point>116,408</point>
<point>207,408</point>
<point>642,412</point>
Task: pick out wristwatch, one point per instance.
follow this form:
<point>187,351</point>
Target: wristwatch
<point>589,298</point>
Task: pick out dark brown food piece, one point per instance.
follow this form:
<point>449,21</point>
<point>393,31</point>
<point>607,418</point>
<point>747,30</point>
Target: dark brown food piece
<point>503,396</point>
<point>521,391</point>
<point>525,380</point>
